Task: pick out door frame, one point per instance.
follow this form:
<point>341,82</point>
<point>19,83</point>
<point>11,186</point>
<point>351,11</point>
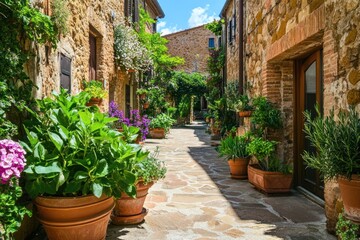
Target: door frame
<point>299,66</point>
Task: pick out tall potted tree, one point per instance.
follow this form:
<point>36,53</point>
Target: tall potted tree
<point>234,148</point>
<point>337,142</point>
<point>75,167</point>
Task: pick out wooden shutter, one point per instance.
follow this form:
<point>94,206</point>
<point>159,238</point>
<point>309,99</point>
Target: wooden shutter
<point>136,11</point>
<point>65,72</point>
<point>233,28</point>
<point>128,8</point>
<point>92,59</point>
<point>230,31</point>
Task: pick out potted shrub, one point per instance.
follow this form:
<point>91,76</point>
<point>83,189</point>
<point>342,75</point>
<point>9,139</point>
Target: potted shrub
<point>270,174</point>
<point>337,144</point>
<point>75,165</point>
<point>141,92</point>
<point>160,125</point>
<point>96,91</point>
<point>129,210</point>
<point>234,148</point>
<point>243,107</point>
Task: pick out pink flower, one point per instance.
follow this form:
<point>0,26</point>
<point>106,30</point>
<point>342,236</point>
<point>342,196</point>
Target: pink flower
<point>12,160</point>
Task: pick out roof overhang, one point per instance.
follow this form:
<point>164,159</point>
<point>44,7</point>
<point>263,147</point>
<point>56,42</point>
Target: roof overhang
<point>223,10</point>
<point>154,5</point>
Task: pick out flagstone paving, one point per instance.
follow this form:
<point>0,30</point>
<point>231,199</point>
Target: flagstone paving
<point>198,200</point>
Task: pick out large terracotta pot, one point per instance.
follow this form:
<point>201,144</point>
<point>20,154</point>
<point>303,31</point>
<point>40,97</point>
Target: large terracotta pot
<point>74,218</point>
<point>94,101</point>
<point>130,210</point>
<point>350,193</point>
<point>245,114</point>
<point>238,167</point>
<point>269,182</point>
<point>157,133</point>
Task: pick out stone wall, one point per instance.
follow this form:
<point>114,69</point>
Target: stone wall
<point>96,16</point>
<point>192,45</point>
<point>281,33</point>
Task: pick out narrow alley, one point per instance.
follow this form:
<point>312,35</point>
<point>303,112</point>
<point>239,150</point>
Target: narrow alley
<point>198,200</point>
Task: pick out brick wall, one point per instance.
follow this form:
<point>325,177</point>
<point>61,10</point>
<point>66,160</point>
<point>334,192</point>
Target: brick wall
<point>192,45</point>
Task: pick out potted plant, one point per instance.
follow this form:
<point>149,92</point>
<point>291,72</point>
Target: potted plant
<point>96,91</point>
<point>337,144</point>
<point>160,125</point>
<point>346,229</point>
<point>12,163</point>
<point>270,174</point>
<point>141,92</point>
<point>75,165</point>
<point>234,148</point>
<point>129,210</point>
<point>243,107</point>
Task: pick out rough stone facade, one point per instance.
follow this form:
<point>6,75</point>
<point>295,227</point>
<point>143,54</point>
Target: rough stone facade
<point>192,45</point>
<point>86,17</point>
<point>278,35</point>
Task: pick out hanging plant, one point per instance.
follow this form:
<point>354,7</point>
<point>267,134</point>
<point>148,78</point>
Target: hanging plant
<point>130,53</point>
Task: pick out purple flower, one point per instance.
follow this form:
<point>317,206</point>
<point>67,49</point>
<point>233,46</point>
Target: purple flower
<point>12,160</point>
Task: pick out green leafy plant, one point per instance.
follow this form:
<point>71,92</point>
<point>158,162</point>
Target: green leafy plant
<point>336,141</point>
<point>215,26</point>
<point>11,213</point>
<point>129,133</point>
<point>162,121</point>
<point>150,168</point>
<point>236,101</point>
<point>345,229</point>
<point>265,115</point>
<point>234,147</point>
<point>59,15</point>
<point>140,91</point>
<point>95,89</point>
<point>73,152</point>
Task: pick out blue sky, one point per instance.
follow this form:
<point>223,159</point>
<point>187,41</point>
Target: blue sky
<point>183,14</point>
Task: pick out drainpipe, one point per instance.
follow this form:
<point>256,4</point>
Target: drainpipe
<point>241,46</point>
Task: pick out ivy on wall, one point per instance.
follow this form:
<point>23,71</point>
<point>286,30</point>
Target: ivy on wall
<point>20,24</point>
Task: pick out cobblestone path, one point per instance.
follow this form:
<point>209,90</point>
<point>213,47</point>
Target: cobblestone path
<point>198,200</point>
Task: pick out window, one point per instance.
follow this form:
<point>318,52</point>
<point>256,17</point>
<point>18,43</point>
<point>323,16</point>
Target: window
<point>92,59</point>
<point>232,29</point>
<point>154,30</point>
<point>132,10</point>
<point>65,72</point>
<point>211,42</point>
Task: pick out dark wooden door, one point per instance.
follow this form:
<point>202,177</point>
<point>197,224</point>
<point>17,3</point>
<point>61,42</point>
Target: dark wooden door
<point>309,94</point>
<point>92,59</point>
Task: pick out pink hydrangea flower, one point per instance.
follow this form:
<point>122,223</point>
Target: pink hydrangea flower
<point>12,160</point>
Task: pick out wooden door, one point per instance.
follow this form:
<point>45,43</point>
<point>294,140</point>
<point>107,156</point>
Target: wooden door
<point>309,93</point>
<point>92,59</point>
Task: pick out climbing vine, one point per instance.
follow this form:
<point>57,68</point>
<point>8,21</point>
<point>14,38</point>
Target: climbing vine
<point>20,24</point>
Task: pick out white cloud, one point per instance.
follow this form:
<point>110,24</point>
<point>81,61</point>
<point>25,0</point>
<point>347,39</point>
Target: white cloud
<point>163,30</point>
<point>200,16</point>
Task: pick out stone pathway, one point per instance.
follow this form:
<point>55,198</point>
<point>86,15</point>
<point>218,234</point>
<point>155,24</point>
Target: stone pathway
<point>198,200</point>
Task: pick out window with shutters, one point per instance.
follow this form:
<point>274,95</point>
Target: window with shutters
<point>230,34</point>
<point>92,59</point>
<point>65,72</point>
<point>211,43</point>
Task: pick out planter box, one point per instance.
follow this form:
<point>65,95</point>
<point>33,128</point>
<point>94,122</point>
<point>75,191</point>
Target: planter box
<point>94,102</point>
<point>157,133</point>
<point>269,182</point>
<point>245,114</point>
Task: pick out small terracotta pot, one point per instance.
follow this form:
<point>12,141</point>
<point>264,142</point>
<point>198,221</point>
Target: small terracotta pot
<point>269,182</point>
<point>350,193</point>
<point>238,167</point>
<point>245,114</point>
<point>157,133</point>
<point>69,218</point>
<point>94,101</point>
<point>142,96</point>
<point>130,210</point>
<point>146,105</point>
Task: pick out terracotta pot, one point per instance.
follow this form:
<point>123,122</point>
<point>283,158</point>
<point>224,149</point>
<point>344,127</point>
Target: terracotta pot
<point>138,139</point>
<point>142,96</point>
<point>130,210</point>
<point>269,182</point>
<point>238,167</point>
<point>146,105</point>
<point>245,114</point>
<point>350,193</point>
<point>69,218</point>
<point>94,101</point>
<point>157,133</point>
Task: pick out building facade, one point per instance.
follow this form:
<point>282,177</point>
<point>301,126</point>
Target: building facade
<point>298,53</point>
<point>86,51</point>
<point>193,45</point>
